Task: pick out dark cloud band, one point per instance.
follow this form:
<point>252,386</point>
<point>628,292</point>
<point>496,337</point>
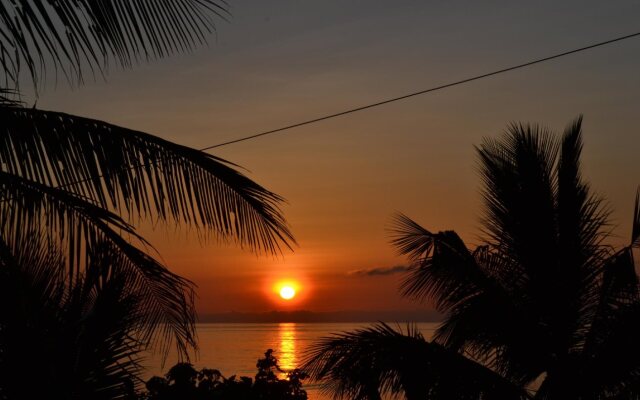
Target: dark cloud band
<point>380,271</point>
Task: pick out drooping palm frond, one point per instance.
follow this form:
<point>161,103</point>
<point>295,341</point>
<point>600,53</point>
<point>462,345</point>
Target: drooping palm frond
<point>86,234</point>
<point>78,35</point>
<point>82,337</point>
<point>367,363</point>
<point>444,269</point>
<point>137,173</point>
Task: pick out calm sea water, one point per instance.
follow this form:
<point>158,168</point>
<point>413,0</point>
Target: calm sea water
<point>235,348</point>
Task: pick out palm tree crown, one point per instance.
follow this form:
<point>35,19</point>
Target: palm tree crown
<point>544,308</point>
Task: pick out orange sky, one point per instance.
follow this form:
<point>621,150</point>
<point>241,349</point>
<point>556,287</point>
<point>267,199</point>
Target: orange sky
<point>286,61</point>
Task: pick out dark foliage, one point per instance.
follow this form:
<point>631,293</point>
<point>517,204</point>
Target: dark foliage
<point>183,382</point>
<point>61,340</point>
<point>364,363</point>
<point>543,309</point>
<point>81,292</point>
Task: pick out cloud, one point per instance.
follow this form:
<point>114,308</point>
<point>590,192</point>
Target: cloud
<point>380,271</point>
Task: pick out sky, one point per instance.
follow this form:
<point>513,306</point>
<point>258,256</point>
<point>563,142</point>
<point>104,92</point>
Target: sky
<point>284,61</point>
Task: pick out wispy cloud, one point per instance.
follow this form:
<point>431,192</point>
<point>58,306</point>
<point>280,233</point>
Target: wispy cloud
<point>380,271</point>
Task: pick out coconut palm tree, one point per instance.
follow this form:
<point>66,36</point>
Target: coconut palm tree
<point>543,309</point>
<point>71,187</point>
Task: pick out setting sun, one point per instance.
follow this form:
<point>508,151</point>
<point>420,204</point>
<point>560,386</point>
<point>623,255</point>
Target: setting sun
<point>287,292</point>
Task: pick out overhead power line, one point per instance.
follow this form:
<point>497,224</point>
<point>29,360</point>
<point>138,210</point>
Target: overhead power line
<point>383,102</point>
<point>420,92</point>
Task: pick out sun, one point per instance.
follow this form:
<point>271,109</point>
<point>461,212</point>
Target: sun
<point>287,292</point>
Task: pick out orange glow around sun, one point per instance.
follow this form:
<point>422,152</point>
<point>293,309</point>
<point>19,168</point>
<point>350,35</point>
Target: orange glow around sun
<point>286,290</point>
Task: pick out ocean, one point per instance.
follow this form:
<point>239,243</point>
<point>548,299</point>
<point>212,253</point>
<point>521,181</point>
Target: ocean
<point>234,348</point>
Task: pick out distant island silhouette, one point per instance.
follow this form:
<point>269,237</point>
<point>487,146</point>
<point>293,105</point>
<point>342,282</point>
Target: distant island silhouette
<point>322,317</point>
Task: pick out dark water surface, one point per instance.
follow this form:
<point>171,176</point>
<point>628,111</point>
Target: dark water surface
<point>234,348</point>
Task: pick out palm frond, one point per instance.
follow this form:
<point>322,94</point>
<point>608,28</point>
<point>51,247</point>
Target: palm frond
<point>108,347</point>
<point>581,219</point>
<point>608,364</point>
<point>140,174</point>
<point>379,360</point>
<point>605,362</point>
<point>496,325</point>
<point>75,36</point>
<point>517,172</point>
<point>82,335</point>
<point>613,367</point>
<point>444,269</point>
<point>410,238</point>
<point>581,215</point>
<point>619,288</point>
<point>475,291</point>
<point>87,235</point>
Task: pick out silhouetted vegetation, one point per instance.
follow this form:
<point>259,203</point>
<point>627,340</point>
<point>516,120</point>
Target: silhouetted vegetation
<point>183,382</point>
<point>81,292</point>
<point>61,341</point>
<point>543,309</point>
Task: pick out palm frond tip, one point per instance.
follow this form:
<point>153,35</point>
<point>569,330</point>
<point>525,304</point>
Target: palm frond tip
<point>86,35</point>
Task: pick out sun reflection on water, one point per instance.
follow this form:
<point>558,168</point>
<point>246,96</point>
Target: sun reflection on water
<point>286,354</point>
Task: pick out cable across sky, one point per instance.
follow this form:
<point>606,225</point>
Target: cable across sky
<point>392,100</point>
<point>420,92</point>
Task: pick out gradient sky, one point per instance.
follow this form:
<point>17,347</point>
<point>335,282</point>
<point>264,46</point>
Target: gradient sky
<point>283,61</point>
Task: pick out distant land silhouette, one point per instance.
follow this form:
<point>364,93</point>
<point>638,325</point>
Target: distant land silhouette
<point>311,316</point>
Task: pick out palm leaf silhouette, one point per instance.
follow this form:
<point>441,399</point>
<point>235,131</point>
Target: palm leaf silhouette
<point>84,233</point>
<point>140,174</point>
<point>381,360</point>
<point>81,35</point>
<point>83,335</point>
